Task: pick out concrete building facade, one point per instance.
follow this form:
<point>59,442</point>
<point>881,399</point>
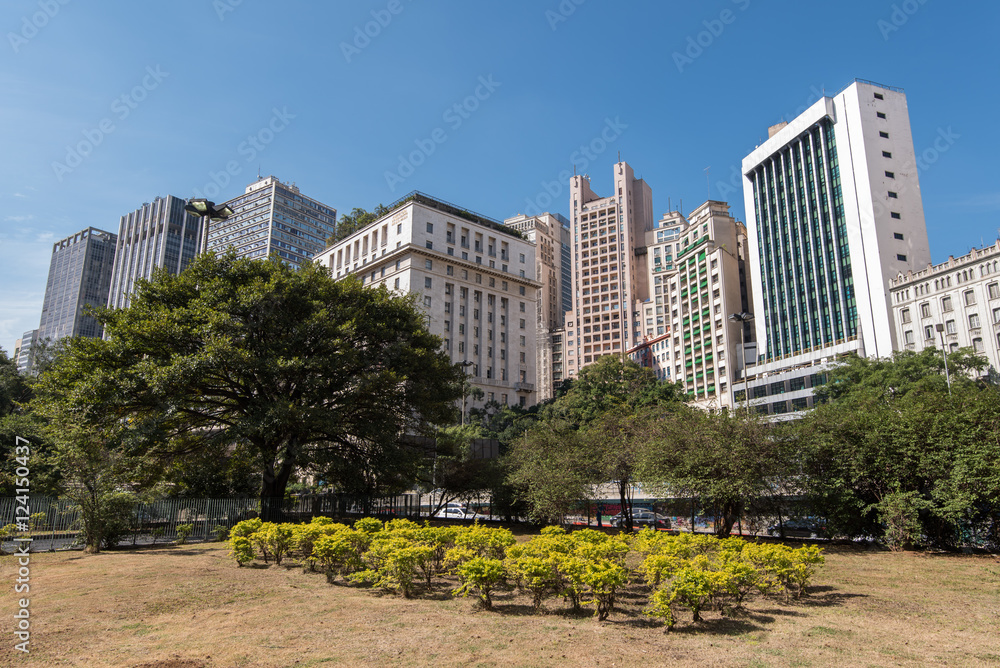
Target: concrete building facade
<point>79,278</point>
<point>474,278</point>
<point>610,276</point>
<point>274,217</point>
<point>833,213</point>
<point>159,234</point>
<point>962,295</point>
<point>550,235</point>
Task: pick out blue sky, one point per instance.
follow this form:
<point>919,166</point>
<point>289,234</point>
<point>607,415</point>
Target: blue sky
<point>107,105</point>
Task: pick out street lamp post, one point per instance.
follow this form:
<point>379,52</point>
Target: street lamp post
<point>940,330</point>
<point>208,212</point>
<point>742,318</point>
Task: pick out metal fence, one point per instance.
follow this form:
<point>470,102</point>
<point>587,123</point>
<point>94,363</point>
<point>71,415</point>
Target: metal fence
<point>55,524</point>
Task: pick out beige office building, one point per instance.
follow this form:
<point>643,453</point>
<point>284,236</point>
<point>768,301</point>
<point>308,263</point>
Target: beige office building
<point>474,278</point>
<point>550,235</point>
<point>610,275</point>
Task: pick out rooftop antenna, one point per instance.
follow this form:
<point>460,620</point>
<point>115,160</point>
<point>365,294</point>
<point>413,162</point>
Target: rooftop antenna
<point>708,183</point>
<point>668,206</point>
<point>258,171</point>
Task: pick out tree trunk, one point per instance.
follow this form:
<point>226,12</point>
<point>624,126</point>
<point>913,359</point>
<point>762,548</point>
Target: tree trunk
<point>626,504</point>
<point>274,483</point>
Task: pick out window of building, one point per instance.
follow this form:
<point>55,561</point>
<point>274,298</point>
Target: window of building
<point>897,235</point>
<point>970,297</point>
<point>890,175</point>
<point>949,326</point>
<point>883,135</point>
<point>993,290</point>
<point>925,310</point>
<point>973,320</point>
<point>996,315</point>
<point>879,114</point>
<point>427,282</point>
<point>905,315</point>
<point>908,336</point>
<point>895,215</point>
<point>893,195</point>
<point>928,332</point>
<point>427,301</point>
<point>886,154</point>
<point>797,383</point>
<point>428,264</point>
<point>878,96</point>
<point>946,304</point>
<point>900,257</point>
<point>396,284</point>
<point>977,344</point>
<point>522,323</point>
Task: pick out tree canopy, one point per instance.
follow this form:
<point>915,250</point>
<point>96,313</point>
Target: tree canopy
<point>358,218</point>
<point>299,369</point>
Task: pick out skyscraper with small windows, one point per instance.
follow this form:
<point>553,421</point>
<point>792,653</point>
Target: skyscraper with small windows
<point>159,234</point>
<point>549,233</point>
<point>274,217</point>
<point>79,278</point>
<point>610,278</point>
<point>698,274</point>
<point>833,213</point>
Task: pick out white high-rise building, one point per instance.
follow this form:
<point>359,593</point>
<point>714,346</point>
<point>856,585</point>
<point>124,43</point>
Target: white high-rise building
<point>833,213</point>
<point>473,277</point>
<point>609,268</point>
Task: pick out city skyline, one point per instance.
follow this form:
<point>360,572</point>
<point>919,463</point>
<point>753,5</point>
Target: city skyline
<point>356,119</point>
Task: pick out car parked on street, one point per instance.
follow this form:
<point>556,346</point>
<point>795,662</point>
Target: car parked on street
<point>642,518</point>
<point>799,527</point>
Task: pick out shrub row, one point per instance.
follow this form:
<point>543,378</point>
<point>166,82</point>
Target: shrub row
<point>586,568</point>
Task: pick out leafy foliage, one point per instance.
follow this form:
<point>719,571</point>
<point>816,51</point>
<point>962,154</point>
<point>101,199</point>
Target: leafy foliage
<point>288,367</point>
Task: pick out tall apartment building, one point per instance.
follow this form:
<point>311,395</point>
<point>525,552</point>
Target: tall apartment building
<point>961,295</point>
<point>274,217</point>
<point>609,268</point>
<point>79,277</point>
<point>550,234</point>
<point>698,276</point>
<point>25,356</point>
<point>474,278</point>
<point>833,212</point>
<point>159,234</point>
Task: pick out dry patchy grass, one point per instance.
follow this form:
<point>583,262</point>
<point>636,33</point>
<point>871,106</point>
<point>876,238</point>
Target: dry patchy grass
<point>192,607</point>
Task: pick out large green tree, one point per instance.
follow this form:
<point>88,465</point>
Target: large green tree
<point>727,460</point>
<point>895,452</point>
<point>293,367</point>
<point>591,435</point>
